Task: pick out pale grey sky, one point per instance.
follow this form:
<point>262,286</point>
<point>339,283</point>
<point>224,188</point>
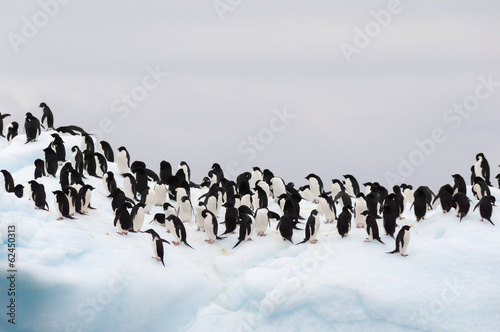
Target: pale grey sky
<point>296,87</point>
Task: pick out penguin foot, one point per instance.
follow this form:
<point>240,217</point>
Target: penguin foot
<point>72,214</point>
<point>168,230</point>
<point>176,243</point>
<point>60,218</point>
<point>367,240</point>
<point>250,239</point>
<point>404,255</point>
<point>481,219</point>
<point>119,233</point>
<point>210,241</point>
<point>314,241</point>
<point>199,229</point>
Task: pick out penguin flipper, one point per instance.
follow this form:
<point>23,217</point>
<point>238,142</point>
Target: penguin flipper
<point>163,240</point>
<point>237,244</point>
<point>379,240</point>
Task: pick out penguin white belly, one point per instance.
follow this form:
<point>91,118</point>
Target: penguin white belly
<point>160,194</point>
<point>127,188</point>
<point>326,210</point>
<point>200,221</point>
<point>121,162</point>
<point>406,241</point>
<point>139,220</point>
<point>359,207</point>
<point>212,204</point>
<point>71,205</point>
<point>169,226</point>
<point>246,200</point>
<point>478,170</point>
<point>58,210</point>
<point>261,221</point>
<point>315,231</point>
<point>209,228</point>
<point>185,212</point>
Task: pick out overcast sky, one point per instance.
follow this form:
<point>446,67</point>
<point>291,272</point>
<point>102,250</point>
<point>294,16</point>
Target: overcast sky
<point>298,87</point>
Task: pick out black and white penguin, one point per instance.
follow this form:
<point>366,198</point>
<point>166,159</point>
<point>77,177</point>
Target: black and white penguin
<point>38,195</point>
<point>71,130</point>
<point>402,241</point>
<point>19,191</point>
<point>482,168</point>
<point>129,186</point>
<point>58,146</point>
<point>141,178</point>
<point>157,245</point>
<point>277,187</point>
<point>148,199</point>
<point>419,204</point>
<point>159,218</point>
<point>262,221</point>
<point>462,204</point>
<point>285,226</point>
<point>109,183</point>
<point>486,207</point>
<point>408,192</point>
<point>165,171</point>
<point>315,185</point>
<point>459,185</point>
<point>8,181</point>
<point>89,163</point>
<point>169,210</point>
<point>101,165</point>
<point>211,226</point>
<point>351,185</point>
<point>389,217</point>
<point>445,195</point>
<point>344,221</point>
<point>87,143</point>
<point>359,207</point>
<point>123,160</point>
<point>231,217</point>
<point>85,194</point>
<point>51,163</point>
<point>337,186</point>
<point>2,116</point>
<point>187,170</point>
<point>31,127</point>
<point>198,218</point>
<point>62,205</point>
<point>160,193</point>
<point>107,151</point>
<point>399,199</point>
<point>179,232</point>
<point>47,117</point>
<point>123,219</point>
<point>39,169</point>
<point>246,229</point>
<point>312,227</point>
<point>137,214</point>
<point>256,176</point>
<point>185,211</point>
<point>371,227</point>
<point>327,208</point>
<point>12,131</point>
<point>74,200</point>
<point>77,159</point>
<point>343,198</point>
<point>480,188</point>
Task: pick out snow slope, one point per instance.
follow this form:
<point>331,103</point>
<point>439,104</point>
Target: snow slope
<point>80,275</point>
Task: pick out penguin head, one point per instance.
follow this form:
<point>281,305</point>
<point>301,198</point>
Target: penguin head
<point>314,212</point>
<point>43,105</point>
<point>479,156</point>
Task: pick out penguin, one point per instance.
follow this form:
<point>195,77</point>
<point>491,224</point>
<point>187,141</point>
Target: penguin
<point>19,191</point>
<point>337,186</point>
<point>74,200</point>
<point>316,186</point>
<point>160,193</point>
<point>306,194</point>
<point>85,194</point>
<point>157,245</point>
<point>123,160</point>
<point>230,219</point>
<point>285,226</point>
<point>326,207</point>
<point>445,195</point>
<point>8,180</point>
<point>70,130</point>
<point>89,163</point>
<point>394,204</point>
<point>129,186</point>
<point>185,210</point>
<point>12,131</point>
<point>351,185</point>
<point>389,217</point>
<point>407,194</point>
<point>245,231</point>
<point>136,165</point>
<point>181,192</point>
<point>169,209</point>
<point>109,183</point>
<point>267,175</point>
<point>2,116</point>
<point>359,207</point>
<point>106,150</point>
<point>482,168</point>
<point>480,188</point>
<point>278,187</point>
<point>77,159</point>
<point>58,146</point>
<point>462,204</point>
<point>38,195</point>
<point>486,207</point>
<point>87,143</point>
<point>459,184</point>
<point>400,200</point>
<point>47,117</point>
<point>217,174</point>
<point>141,179</point>
<point>123,220</point>
<point>419,204</point>
<point>199,219</point>
<point>51,163</point>
<point>165,171</point>
<point>402,241</point>
<point>372,203</point>
<point>261,198</point>
<point>148,199</point>
<point>137,215</point>
<point>62,205</point>
<point>32,128</point>
<point>256,176</point>
<point>498,179</point>
<point>187,171</point>
<point>39,169</point>
<point>262,221</point>
<point>179,232</point>
<point>371,227</point>
<point>265,186</point>
<point>101,164</point>
<point>344,221</point>
<point>160,218</point>
<point>312,227</point>
<point>211,226</point>
<point>344,199</point>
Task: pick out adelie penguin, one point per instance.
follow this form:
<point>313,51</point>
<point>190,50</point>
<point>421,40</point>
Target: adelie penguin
<point>123,219</point>
<point>12,131</point>
<point>351,185</point>
<point>480,188</point>
<point>359,207</point>
<point>459,185</point>
<point>285,226</point>
<point>109,183</point>
<point>38,195</point>
<point>137,215</point>
<point>389,220</point>
<point>211,226</point>
<point>326,207</point>
<point>123,160</point>
<point>246,229</point>
<point>312,228</point>
<point>344,221</point>
<point>482,168</point>
<point>62,205</point>
<point>230,219</point>
<point>462,204</point>
<point>157,245</point>
<point>419,204</point>
<point>51,163</point>
<point>85,194</point>
<point>371,227</point>
<point>402,241</point>
<point>8,181</point>
<point>198,218</point>
<point>262,220</point>
<point>315,185</point>
<point>179,232</point>
<point>486,208</point>
<point>2,116</point>
<point>39,169</point>
<point>47,117</point>
<point>31,127</point>
<point>106,150</point>
<point>445,195</point>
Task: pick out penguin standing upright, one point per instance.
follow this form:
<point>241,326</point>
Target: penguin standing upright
<point>129,186</point>
<point>39,169</point>
<point>185,210</point>
<point>486,207</point>
<point>165,171</point>
<point>47,117</point>
<point>109,183</point>
<point>462,204</point>
<point>85,194</point>
<point>371,227</point>
<point>211,226</point>
<point>74,200</point>
<point>198,218</point>
<point>157,245</point>
<point>148,199</point>
<point>87,143</point>
<point>51,163</point>
<point>38,195</point>
<point>459,184</point>
<point>160,193</point>
<point>137,215</point>
<point>419,204</point>
<point>62,205</point>
<point>326,207</point>
<point>12,131</point>
<point>101,165</point>
<point>359,207</point>
<point>123,220</point>
<point>445,195</point>
<point>278,187</point>
<point>107,151</point>
<point>246,228</point>
<point>480,188</point>
<point>316,186</point>
<point>58,147</point>
<point>8,181</point>
<point>179,232</point>
<point>344,221</point>
<point>261,221</point>
<point>230,219</point>
<point>77,159</point>
<point>402,241</point>
<point>31,127</point>
<point>285,226</point>
<point>123,160</point>
<point>312,227</point>
<point>2,116</point>
<point>389,220</point>
<point>482,168</point>
<point>351,185</point>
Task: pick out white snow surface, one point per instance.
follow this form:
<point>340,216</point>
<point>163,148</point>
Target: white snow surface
<point>80,275</point>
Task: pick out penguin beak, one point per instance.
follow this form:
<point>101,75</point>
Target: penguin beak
<point>411,225</point>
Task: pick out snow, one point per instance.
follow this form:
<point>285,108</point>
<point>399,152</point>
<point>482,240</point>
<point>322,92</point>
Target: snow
<point>80,275</point>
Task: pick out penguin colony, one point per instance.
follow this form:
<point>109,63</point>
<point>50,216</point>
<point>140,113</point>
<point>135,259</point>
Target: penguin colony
<point>245,201</point>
